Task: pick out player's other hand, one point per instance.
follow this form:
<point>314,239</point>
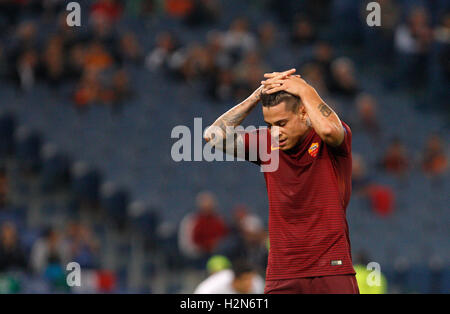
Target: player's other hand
<point>275,76</point>
<point>280,74</point>
<point>292,84</point>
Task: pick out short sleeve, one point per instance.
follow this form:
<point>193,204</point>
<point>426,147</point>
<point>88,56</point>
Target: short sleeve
<point>254,141</point>
<point>345,149</point>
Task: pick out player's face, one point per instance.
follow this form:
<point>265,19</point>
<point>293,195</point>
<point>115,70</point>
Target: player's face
<point>289,124</point>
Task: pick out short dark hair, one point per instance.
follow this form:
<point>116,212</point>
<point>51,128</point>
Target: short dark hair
<point>241,267</point>
<point>271,100</point>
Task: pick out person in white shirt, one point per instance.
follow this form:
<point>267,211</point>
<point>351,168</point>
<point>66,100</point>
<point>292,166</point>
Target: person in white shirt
<point>241,279</point>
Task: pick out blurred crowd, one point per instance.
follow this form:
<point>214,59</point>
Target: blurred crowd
<point>204,233</point>
<point>91,61</point>
<point>48,255</point>
<point>231,61</point>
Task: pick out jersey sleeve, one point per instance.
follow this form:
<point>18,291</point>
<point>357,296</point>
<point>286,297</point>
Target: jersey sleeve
<point>345,149</point>
<point>254,141</point>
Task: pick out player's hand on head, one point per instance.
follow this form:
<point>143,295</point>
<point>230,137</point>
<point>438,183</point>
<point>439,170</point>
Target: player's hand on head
<point>276,80</point>
<point>292,84</point>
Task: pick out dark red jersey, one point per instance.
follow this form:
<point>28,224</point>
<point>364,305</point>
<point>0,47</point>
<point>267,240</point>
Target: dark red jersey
<point>308,196</point>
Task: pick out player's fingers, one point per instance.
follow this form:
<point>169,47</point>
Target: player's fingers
<point>274,90</point>
<point>272,81</point>
<point>271,75</point>
<point>269,87</point>
<point>280,74</point>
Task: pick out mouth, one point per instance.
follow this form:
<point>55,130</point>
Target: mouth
<point>282,142</point>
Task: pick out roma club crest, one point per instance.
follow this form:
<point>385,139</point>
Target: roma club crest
<point>313,149</point>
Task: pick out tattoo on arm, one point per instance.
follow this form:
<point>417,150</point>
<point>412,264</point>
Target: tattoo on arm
<point>230,141</point>
<point>232,119</point>
<point>235,117</point>
<point>325,110</point>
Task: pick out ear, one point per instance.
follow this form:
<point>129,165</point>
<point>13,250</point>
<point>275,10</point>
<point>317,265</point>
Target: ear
<point>302,111</point>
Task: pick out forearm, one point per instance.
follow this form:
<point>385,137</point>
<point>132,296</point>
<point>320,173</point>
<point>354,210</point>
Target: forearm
<point>219,130</point>
<point>238,113</point>
<point>324,120</point>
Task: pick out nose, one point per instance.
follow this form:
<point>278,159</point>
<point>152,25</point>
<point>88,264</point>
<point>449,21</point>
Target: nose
<point>275,133</point>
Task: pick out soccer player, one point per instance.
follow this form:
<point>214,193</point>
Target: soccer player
<point>309,191</point>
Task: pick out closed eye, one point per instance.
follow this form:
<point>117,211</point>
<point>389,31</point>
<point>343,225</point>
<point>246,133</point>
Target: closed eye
<point>280,123</point>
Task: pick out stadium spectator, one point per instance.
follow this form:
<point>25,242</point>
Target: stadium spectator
<point>222,86</point>
<point>50,250</point>
<point>25,73</point>
<point>215,47</point>
<point>129,50</point>
<point>12,254</point>
<point>160,56</point>
<point>267,37</point>
<point>395,160</point>
<point>102,30</point>
<point>201,232</point>
<point>53,62</point>
<point>248,73</point>
<point>209,228</point>
<point>66,33</point>
<point>97,57</point>
<point>238,40</point>
<point>381,198</point>
<point>75,62</point>
<point>117,92</point>
<point>24,37</point>
<point>343,78</point>
<point>313,73</point>
<point>223,82</point>
<point>247,238</point>
<point>303,32</point>
<point>360,177</point>
<point>366,106</point>
<point>323,56</point>
<point>414,36</point>
<point>87,91</point>
<point>108,9</point>
<point>434,160</point>
<point>193,62</point>
<point>412,43</point>
<point>83,245</point>
<point>178,8</point>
